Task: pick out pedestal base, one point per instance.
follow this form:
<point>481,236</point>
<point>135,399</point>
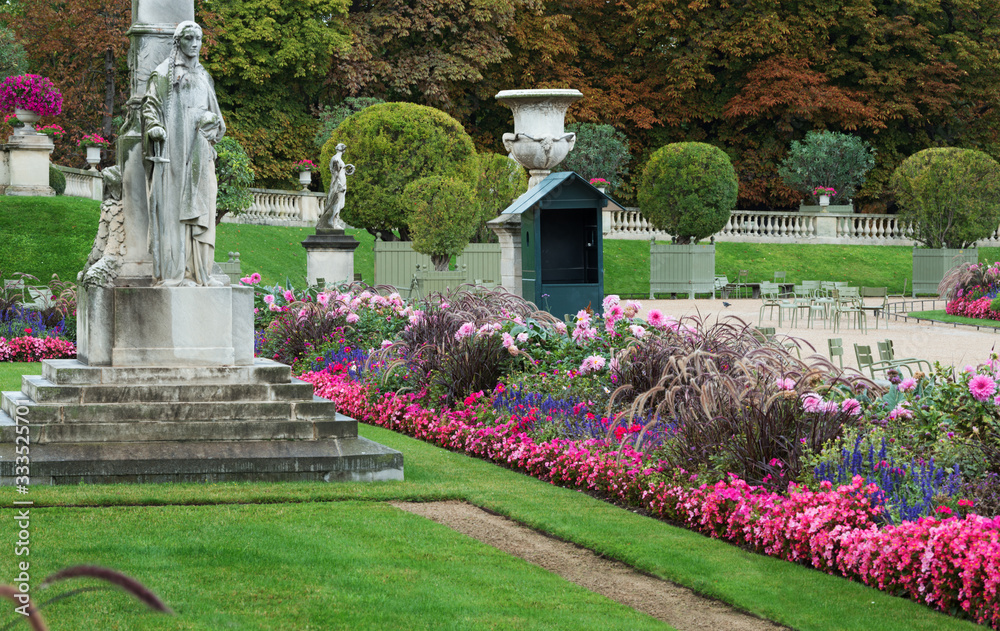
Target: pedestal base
<point>27,167</point>
<point>165,326</point>
<point>209,424</point>
<point>330,256</point>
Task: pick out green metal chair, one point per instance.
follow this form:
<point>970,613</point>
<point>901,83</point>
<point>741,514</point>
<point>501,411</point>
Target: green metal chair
<point>863,353</point>
<point>836,348</point>
<point>887,353</point>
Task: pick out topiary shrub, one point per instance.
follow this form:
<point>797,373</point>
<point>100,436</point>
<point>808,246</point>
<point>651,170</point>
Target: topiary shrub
<point>600,151</point>
<point>951,196</point>
<point>57,180</point>
<point>391,145</point>
<point>828,159</point>
<point>689,190</point>
<point>501,181</point>
<point>235,175</point>
<point>443,218</point>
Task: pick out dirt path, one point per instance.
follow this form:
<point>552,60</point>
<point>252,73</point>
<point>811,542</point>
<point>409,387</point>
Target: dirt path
<point>675,605</point>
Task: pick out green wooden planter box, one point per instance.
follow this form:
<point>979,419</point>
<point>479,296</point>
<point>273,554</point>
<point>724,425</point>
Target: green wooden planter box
<point>930,266</point>
<point>681,269</point>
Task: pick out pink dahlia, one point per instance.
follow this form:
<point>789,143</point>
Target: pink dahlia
<point>656,319</point>
<point>982,387</point>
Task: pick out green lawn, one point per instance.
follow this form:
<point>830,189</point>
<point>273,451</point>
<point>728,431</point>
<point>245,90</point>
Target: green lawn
<point>940,315</point>
<point>317,550</point>
<point>46,235</point>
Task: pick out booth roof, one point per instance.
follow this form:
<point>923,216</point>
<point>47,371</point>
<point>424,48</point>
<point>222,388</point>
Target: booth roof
<point>554,184</point>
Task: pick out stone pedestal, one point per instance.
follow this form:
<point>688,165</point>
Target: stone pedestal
<point>330,256</point>
<point>165,326</point>
<point>27,168</point>
<point>508,230</point>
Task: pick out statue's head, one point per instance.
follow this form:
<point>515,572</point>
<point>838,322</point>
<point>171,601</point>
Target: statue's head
<point>340,147</point>
<point>187,38</point>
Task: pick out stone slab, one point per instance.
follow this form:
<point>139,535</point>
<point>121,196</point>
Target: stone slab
<point>356,459</point>
<point>75,372</point>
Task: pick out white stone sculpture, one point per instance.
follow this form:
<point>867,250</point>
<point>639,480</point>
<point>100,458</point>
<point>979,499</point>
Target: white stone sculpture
<point>330,219</point>
<point>181,123</point>
<point>539,142</point>
<point>109,249</point>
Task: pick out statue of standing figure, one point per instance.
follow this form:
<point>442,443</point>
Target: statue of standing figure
<point>181,123</point>
<point>330,219</point>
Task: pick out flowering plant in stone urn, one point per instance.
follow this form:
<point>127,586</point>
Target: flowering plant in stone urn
<point>55,131</point>
<point>93,140</point>
<point>30,96</point>
<point>305,165</point>
<point>599,182</point>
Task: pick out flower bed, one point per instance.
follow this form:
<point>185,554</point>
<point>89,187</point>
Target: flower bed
<point>949,563</point>
<point>971,291</point>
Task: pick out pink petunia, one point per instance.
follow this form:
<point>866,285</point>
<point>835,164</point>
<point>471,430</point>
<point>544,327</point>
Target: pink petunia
<point>982,387</point>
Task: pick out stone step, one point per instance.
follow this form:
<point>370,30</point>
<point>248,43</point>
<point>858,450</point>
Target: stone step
<point>72,372</point>
<point>314,408</point>
<point>150,431</point>
<point>349,459</point>
<point>41,390</point>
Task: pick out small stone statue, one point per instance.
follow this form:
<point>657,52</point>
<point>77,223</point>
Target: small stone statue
<point>109,244</point>
<point>330,219</point>
<point>181,123</point>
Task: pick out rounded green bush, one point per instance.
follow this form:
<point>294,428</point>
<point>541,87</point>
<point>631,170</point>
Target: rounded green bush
<point>950,195</point>
<point>391,145</point>
<point>443,218</point>
<point>995,304</point>
<point>57,180</point>
<point>689,190</point>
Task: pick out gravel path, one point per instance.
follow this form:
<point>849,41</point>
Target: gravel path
<point>675,605</point>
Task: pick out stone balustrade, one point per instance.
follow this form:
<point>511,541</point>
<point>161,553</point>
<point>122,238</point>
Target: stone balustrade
<point>754,226</point>
<point>84,183</point>
<point>281,208</point>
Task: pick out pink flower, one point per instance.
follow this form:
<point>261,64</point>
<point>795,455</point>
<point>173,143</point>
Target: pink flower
<point>522,338</point>
<point>254,278</point>
<point>637,330</point>
<point>323,298</point>
<point>982,387</point>
<point>907,384</point>
<point>465,330</point>
<point>352,318</point>
<point>812,403</point>
<point>508,341</point>
<point>851,406</point>
<point>655,319</point>
<point>269,299</point>
<point>786,384</point>
<point>561,328</point>
<point>610,301</point>
<point>289,296</point>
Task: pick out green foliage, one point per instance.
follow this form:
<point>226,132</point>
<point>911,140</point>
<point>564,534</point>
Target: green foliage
<point>995,305</point>
<point>828,158</point>
<point>391,145</point>
<point>443,218</point>
<point>13,57</point>
<point>331,117</point>
<point>235,175</point>
<point>266,57</point>
<point>689,190</point>
<point>57,180</point>
<point>600,151</point>
<point>501,181</point>
<point>951,195</point>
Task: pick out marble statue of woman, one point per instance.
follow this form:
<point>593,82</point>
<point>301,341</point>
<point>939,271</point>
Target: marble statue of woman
<point>330,219</point>
<point>181,124</point>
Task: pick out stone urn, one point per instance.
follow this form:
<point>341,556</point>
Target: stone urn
<point>29,118</point>
<point>305,178</point>
<point>93,157</point>
<point>539,141</point>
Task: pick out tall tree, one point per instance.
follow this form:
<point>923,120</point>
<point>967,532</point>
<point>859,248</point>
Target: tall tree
<point>80,45</point>
<point>268,59</point>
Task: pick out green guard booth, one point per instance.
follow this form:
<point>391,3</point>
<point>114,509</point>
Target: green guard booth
<point>562,249</point>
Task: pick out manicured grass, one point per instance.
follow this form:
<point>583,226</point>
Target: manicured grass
<point>941,315</point>
<point>10,373</point>
<point>330,565</point>
<point>181,552</point>
<point>42,236</point>
<point>626,264</point>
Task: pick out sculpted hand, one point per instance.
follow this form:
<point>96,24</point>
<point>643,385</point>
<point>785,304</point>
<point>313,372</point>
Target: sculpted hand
<point>208,119</point>
<point>157,133</point>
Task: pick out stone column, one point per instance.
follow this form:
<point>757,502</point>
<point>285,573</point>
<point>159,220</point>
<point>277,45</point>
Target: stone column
<point>153,24</point>
<point>508,229</point>
<point>28,164</point>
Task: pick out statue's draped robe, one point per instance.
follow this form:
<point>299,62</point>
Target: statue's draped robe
<point>330,219</point>
<point>182,192</point>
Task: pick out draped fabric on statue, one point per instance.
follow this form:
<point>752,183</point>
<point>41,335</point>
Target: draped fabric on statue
<point>181,171</point>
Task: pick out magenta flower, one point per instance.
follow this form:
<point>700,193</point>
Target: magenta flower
<point>656,319</point>
<point>982,387</point>
<point>851,406</point>
<point>30,92</point>
<point>907,384</point>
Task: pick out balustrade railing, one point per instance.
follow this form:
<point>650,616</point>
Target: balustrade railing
<point>282,208</point>
<point>82,183</point>
<point>783,227</point>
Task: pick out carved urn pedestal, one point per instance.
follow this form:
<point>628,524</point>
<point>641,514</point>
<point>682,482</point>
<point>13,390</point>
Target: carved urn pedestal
<point>329,256</point>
